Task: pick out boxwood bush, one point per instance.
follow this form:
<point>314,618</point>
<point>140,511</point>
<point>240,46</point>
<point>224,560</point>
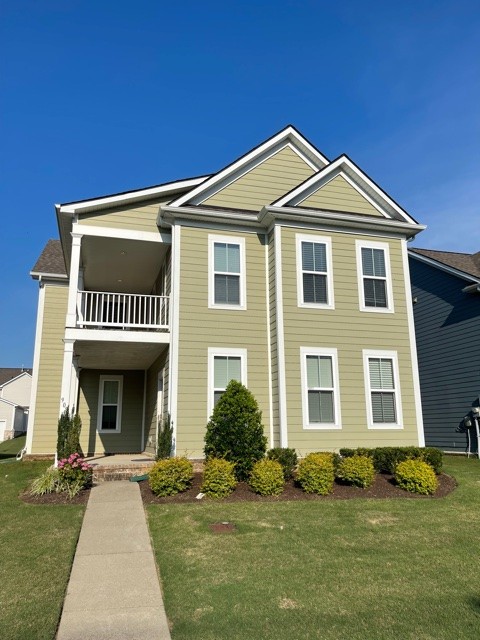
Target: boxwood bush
<point>385,459</point>
<point>218,478</point>
<point>170,476</point>
<point>267,478</point>
<point>286,457</point>
<point>357,470</point>
<point>416,476</point>
<point>316,473</point>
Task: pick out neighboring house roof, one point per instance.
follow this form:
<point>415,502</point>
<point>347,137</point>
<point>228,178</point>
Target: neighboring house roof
<point>9,374</point>
<point>51,261</point>
<point>466,263</point>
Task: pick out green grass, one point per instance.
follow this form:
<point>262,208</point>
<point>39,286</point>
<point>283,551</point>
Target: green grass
<point>37,547</point>
<point>10,448</point>
<point>356,569</point>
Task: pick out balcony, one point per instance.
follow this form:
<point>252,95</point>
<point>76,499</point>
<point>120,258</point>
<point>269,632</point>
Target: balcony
<point>126,311</point>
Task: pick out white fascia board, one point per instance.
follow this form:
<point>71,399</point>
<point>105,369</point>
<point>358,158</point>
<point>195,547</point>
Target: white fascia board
<point>443,267</point>
<point>131,196</point>
<point>316,161</point>
<point>270,213</point>
<point>344,163</point>
<point>36,275</point>
<point>169,213</point>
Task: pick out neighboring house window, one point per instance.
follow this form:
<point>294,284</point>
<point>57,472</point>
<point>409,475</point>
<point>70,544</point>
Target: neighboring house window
<point>320,388</point>
<point>383,389</point>
<point>314,272</point>
<point>374,277</point>
<point>226,272</point>
<point>110,404</point>
<point>224,365</point>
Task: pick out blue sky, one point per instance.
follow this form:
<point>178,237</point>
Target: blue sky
<point>101,97</point>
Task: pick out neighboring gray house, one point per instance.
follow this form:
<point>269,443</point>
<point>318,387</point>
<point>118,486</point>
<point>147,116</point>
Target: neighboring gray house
<point>446,295</point>
<point>15,391</point>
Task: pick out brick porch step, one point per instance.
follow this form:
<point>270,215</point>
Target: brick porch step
<point>120,472</point>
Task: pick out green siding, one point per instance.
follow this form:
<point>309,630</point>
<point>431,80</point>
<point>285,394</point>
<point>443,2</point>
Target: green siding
<point>265,183</point>
<point>201,328</point>
<point>138,217</point>
<point>151,409</point>
<point>129,440</point>
<point>350,331</point>
<point>339,195</point>
<point>50,369</point>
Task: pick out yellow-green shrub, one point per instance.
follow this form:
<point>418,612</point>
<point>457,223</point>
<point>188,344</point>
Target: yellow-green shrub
<point>170,476</point>
<point>316,473</point>
<point>357,470</point>
<point>218,478</point>
<point>267,478</point>
<point>416,476</point>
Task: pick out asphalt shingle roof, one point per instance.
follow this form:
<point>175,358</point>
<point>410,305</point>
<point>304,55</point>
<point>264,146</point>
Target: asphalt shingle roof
<point>7,374</point>
<point>51,259</point>
<point>469,263</point>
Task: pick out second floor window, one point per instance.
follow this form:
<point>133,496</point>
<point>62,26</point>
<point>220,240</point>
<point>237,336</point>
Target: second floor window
<point>227,272</point>
<point>374,277</point>
<point>314,272</point>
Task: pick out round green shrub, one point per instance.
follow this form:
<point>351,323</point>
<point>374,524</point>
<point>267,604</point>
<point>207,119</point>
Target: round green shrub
<point>416,476</point>
<point>316,473</point>
<point>235,430</point>
<point>267,478</point>
<point>170,476</point>
<point>433,457</point>
<point>357,470</point>
<point>218,478</point>
<point>286,457</point>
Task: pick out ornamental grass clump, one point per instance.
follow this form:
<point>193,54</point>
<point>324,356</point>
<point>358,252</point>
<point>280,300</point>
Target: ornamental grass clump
<point>71,476</point>
<point>286,457</point>
<point>416,476</point>
<point>170,476</point>
<point>218,478</point>
<point>357,470</point>
<point>267,478</point>
<point>316,473</point>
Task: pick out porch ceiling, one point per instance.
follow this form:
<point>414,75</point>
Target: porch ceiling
<point>116,265</point>
<point>117,355</point>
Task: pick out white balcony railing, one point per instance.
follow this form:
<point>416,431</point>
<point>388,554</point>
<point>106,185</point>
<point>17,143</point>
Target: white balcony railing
<point>99,309</point>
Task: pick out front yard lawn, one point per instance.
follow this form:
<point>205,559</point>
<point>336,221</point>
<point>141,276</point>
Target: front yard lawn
<point>37,546</point>
<point>10,448</point>
<point>363,569</point>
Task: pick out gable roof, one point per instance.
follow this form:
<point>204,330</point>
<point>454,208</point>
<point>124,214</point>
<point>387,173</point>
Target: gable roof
<point>9,374</point>
<point>358,178</point>
<point>50,262</point>
<point>466,263</point>
<point>289,136</point>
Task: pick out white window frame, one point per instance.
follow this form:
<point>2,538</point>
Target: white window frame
<point>102,381</point>
<point>320,351</point>
<point>387,355</point>
<point>212,239</point>
<point>214,352</point>
<point>327,241</point>
<point>364,244</point>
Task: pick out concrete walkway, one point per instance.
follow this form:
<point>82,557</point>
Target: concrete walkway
<point>113,592</point>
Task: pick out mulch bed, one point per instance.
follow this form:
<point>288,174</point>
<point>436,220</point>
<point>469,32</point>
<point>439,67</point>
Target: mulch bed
<point>383,487</point>
<point>55,498</point>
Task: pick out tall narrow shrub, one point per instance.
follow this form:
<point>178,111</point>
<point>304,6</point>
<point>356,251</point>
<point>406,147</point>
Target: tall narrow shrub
<point>165,438</point>
<point>235,430</point>
<point>68,433</point>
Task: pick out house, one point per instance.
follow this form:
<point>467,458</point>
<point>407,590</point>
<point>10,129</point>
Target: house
<point>284,270</point>
<point>15,389</point>
<point>446,290</point>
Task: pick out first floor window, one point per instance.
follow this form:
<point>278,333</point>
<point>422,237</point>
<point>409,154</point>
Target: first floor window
<point>381,371</point>
<point>320,388</point>
<point>224,365</point>
<point>110,403</point>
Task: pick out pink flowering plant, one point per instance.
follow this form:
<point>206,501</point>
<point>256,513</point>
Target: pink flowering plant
<point>74,473</point>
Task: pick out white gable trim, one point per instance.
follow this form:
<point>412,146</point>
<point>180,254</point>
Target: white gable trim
<point>348,168</point>
<point>287,137</point>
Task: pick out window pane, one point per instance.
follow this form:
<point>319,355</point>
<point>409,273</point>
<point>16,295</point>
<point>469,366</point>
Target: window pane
<point>386,372</point>
<point>314,256</point>
<point>326,375</point>
<point>375,292</point>
<point>315,288</point>
<point>234,369</point>
<point>227,289</point>
<point>308,262</point>
<point>226,257</point>
<point>220,289</point>
<point>320,255</point>
<point>375,376</point>
<point>367,261</point>
<point>220,375</point>
<point>320,406</point>
<point>319,371</point>
<point>313,372</point>
<point>383,407</point>
<point>233,258</point>
<point>110,392</point>
<point>109,417</point>
<point>379,263</point>
<point>216,396</point>
<point>220,256</point>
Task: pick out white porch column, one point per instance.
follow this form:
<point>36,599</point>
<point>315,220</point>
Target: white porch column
<point>69,376</point>
<point>74,280</point>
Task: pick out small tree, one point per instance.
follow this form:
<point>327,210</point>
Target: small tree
<point>165,438</point>
<point>68,434</point>
<point>235,430</point>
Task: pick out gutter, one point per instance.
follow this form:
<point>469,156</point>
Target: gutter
<point>472,288</point>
